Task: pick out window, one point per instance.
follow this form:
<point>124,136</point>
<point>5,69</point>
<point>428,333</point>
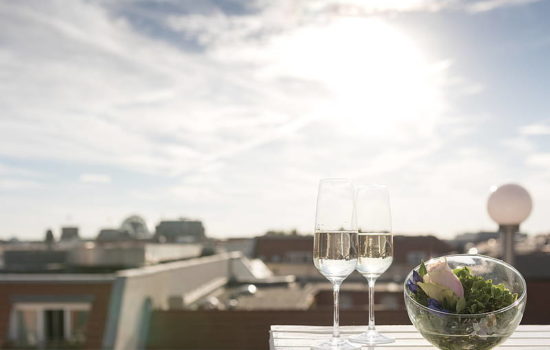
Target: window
<point>77,325</point>
<point>54,326</point>
<point>26,327</point>
<point>35,324</point>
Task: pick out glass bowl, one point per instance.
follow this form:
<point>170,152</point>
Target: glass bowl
<point>484,331</point>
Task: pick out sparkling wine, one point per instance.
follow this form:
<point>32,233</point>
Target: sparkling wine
<point>334,253</point>
<point>375,253</point>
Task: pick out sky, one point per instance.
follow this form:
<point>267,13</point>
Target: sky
<point>231,111</point>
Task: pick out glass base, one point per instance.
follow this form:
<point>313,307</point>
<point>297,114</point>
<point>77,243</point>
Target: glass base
<point>371,338</point>
<point>336,344</point>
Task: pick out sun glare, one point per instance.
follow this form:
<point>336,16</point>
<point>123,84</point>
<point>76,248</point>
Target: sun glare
<point>376,77</point>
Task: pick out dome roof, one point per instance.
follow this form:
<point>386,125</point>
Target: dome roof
<point>136,226</point>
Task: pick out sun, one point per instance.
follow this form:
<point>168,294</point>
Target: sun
<point>376,77</point>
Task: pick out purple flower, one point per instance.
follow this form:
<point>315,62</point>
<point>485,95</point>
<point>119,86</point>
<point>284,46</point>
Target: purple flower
<point>416,277</point>
<point>412,286</point>
<point>412,282</point>
<point>435,305</point>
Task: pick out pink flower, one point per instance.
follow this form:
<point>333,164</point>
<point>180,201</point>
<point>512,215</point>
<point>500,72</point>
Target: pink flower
<point>440,273</point>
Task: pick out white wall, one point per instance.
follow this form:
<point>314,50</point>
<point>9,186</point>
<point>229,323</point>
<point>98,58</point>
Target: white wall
<point>136,292</point>
<point>155,252</point>
<point>130,255</point>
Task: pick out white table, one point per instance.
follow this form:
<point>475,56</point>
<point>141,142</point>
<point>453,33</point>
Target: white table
<point>303,337</point>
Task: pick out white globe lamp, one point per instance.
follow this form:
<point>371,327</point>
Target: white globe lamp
<point>509,205</point>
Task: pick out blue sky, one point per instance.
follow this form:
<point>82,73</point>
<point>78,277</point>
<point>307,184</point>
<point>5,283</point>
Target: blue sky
<point>231,111</point>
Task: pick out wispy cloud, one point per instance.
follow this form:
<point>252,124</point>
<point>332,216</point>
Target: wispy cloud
<point>489,5</point>
<point>10,170</point>
<point>234,111</point>
<point>540,159</point>
<point>95,178</point>
<point>14,178</point>
<point>11,184</point>
<point>535,129</point>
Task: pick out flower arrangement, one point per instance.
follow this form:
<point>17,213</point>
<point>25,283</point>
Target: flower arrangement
<point>457,291</point>
<point>462,308</point>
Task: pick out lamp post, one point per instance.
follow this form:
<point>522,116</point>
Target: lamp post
<point>509,205</point>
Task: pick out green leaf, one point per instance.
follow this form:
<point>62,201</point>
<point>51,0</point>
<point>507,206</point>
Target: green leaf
<point>460,305</point>
<point>481,295</point>
<point>421,297</point>
<point>422,269</point>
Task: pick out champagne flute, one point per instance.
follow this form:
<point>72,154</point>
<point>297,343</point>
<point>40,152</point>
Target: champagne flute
<point>335,244</point>
<point>375,249</point>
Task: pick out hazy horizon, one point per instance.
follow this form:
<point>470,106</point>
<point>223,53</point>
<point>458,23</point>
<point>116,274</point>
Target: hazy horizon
<point>56,230</point>
<point>231,111</point>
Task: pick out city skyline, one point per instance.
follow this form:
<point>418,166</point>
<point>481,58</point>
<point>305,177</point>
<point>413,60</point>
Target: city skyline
<point>231,111</point>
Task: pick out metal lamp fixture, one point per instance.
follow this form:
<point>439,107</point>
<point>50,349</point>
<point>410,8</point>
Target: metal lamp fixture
<point>509,205</point>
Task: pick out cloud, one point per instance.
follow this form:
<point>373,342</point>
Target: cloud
<point>271,102</point>
<point>537,129</point>
<point>540,159</point>
<point>520,144</point>
<point>10,184</point>
<point>15,178</point>
<point>167,111</point>
<point>233,115</point>
<point>10,170</point>
<point>489,5</point>
<point>95,178</point>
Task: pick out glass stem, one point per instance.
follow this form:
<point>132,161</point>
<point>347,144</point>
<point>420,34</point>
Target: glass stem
<point>371,282</point>
<point>336,321</point>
